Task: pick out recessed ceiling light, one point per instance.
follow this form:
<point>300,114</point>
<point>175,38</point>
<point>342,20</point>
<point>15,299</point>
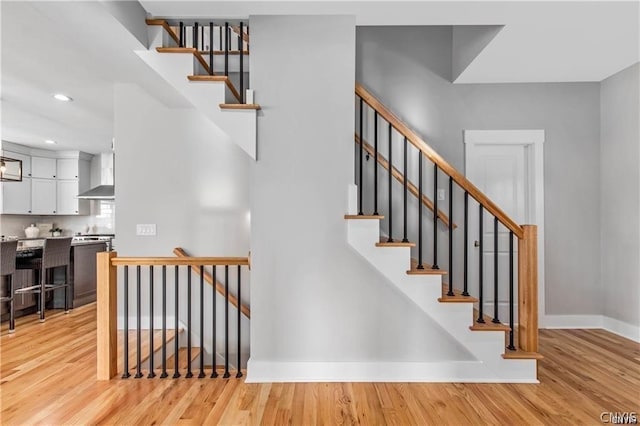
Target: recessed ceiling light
<point>50,141</point>
<point>63,98</point>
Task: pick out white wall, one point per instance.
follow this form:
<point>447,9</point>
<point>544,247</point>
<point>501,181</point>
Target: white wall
<point>409,69</point>
<point>313,297</point>
<point>174,170</point>
<point>620,203</point>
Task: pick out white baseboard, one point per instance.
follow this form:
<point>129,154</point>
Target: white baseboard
<point>572,321</point>
<point>612,325</point>
<point>621,328</point>
<point>444,371</point>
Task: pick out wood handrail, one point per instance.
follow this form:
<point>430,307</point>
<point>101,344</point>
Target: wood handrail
<point>245,36</point>
<point>164,24</point>
<point>178,251</point>
<point>181,261</point>
<point>421,145</point>
<point>400,178</point>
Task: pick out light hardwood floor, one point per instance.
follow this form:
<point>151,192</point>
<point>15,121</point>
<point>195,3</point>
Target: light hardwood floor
<point>47,375</point>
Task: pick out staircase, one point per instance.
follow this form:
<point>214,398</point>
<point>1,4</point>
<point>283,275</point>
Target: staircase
<point>205,76</point>
<point>502,351</point>
<point>488,339</point>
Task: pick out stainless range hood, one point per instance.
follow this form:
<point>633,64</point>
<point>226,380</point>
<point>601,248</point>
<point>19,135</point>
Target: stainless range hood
<point>106,189</point>
<point>101,192</point>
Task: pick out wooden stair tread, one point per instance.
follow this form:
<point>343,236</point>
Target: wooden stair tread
<point>240,106</point>
<point>221,78</point>
<point>176,49</point>
<point>362,216</point>
<point>395,244</point>
<point>144,346</point>
<point>221,52</point>
<point>488,324</point>
<point>456,298</point>
<point>521,355</point>
<point>182,358</point>
<point>217,78</point>
<point>426,271</point>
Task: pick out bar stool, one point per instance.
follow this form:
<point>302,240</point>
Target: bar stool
<point>55,252</point>
<point>8,268</point>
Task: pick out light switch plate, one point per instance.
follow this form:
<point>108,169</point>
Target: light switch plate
<point>146,229</point>
<point>440,194</point>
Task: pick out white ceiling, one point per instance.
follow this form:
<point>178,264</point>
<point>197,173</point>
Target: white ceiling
<point>541,41</point>
<point>75,48</point>
<point>78,48</point>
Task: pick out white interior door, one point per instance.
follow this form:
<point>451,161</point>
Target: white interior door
<point>501,172</point>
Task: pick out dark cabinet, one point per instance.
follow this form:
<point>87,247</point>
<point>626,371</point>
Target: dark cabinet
<point>83,265</point>
<point>82,277</point>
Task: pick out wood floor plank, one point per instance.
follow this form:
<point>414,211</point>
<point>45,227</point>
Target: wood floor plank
<point>47,375</point>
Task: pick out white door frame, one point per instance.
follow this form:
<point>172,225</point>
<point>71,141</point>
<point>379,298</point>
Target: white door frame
<point>534,141</point>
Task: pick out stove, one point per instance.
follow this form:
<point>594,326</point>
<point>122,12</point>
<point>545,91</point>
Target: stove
<point>107,238</point>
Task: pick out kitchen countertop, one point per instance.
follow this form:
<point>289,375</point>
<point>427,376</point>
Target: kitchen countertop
<point>37,243</point>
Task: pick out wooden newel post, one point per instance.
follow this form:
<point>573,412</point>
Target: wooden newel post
<point>528,289</point>
<point>107,316</point>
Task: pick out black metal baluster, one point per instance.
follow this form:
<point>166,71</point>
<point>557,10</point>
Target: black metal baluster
<point>435,217</point>
<point>406,193</point>
<point>450,292</point>
<point>210,48</point>
<point>152,373</point>
<point>420,265</point>
<point>181,35</point>
<point>390,239</point>
<point>214,373</point>
<point>201,37</point>
<point>495,270</point>
<point>226,49</point>
<point>360,180</point>
<point>138,325</point>
<point>480,266</point>
<point>201,375</point>
<point>176,346</point>
<point>465,291</point>
<point>226,322</point>
<point>164,322</point>
<point>189,372</point>
<point>511,346</point>
<point>194,29</point>
<point>239,311</point>
<point>241,65</point>
<point>125,374</point>
<point>220,34</point>
<point>375,163</point>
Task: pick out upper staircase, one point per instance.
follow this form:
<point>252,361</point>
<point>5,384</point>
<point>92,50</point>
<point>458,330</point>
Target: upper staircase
<point>208,64</point>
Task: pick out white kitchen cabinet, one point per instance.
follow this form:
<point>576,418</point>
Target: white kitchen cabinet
<point>43,167</point>
<point>67,168</point>
<point>26,163</point>
<point>68,203</point>
<point>43,196</point>
<point>16,197</point>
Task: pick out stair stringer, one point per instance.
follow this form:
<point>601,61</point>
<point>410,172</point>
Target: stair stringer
<point>239,125</point>
<point>424,290</point>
